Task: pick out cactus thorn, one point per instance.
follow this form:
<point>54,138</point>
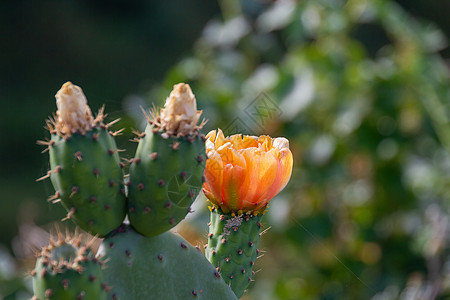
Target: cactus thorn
<point>49,173</point>
<point>117,132</point>
<point>112,123</point>
<point>210,235</point>
<point>75,190</point>
<point>54,197</point>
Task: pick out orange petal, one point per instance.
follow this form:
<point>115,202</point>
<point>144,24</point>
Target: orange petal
<point>284,171</point>
<point>232,178</point>
<point>261,172</point>
<point>214,175</point>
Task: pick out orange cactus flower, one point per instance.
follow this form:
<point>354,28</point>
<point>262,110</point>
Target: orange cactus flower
<point>243,173</point>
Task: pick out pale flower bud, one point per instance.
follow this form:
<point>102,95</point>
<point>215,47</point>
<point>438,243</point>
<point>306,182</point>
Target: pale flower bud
<point>179,115</point>
<point>73,115</point>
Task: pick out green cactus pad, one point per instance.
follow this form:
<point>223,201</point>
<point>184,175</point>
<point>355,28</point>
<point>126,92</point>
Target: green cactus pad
<point>161,267</point>
<point>232,247</point>
<point>87,177</point>
<point>165,177</point>
<point>65,271</point>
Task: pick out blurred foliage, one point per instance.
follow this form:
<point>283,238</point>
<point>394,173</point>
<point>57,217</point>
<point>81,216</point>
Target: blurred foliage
<point>359,89</point>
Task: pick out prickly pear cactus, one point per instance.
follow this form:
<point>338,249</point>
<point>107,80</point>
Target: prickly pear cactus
<point>232,247</point>
<point>85,166</point>
<point>143,259</point>
<point>67,270</point>
<point>166,173</point>
<point>160,267</point>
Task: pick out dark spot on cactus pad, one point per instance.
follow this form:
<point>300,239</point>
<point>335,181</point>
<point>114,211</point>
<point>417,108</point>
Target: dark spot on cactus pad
<point>203,137</point>
<point>243,271</point>
<point>217,274</point>
<point>194,293</point>
<point>65,283</point>
<point>122,191</point>
<point>210,235</point>
<point>48,293</point>
<point>257,251</point>
<point>183,245</point>
<point>250,243</point>
<point>160,257</point>
<point>200,158</point>
<point>114,297</point>
<point>189,209</point>
<point>231,276</point>
<point>161,182</point>
<point>96,171</point>
<point>172,221</point>
<point>213,252</point>
<point>92,278</point>
<point>168,204</point>
<point>78,155</point>
<point>224,241</point>
<point>258,224</point>
<point>251,263</point>
<point>128,183</point>
<point>191,194</point>
<point>110,151</point>
<point>121,165</point>
<point>147,209</point>
<point>137,160</point>
<point>81,295</point>
<point>75,189</point>
<point>91,223</point>
<point>140,186</point>
<point>57,169</point>
<point>203,178</point>
<point>95,136</point>
<point>111,183</point>
<point>111,245</point>
<point>153,155</point>
<point>128,253</point>
<point>131,209</point>
<point>239,251</point>
<point>105,287</point>
<point>222,217</point>
<point>183,175</point>
<point>107,207</point>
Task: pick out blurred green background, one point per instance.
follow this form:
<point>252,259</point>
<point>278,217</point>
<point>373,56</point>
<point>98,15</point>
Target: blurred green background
<point>360,87</point>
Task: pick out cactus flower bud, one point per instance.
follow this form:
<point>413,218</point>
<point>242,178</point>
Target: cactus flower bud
<point>180,116</point>
<point>73,115</point>
<point>243,173</point>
